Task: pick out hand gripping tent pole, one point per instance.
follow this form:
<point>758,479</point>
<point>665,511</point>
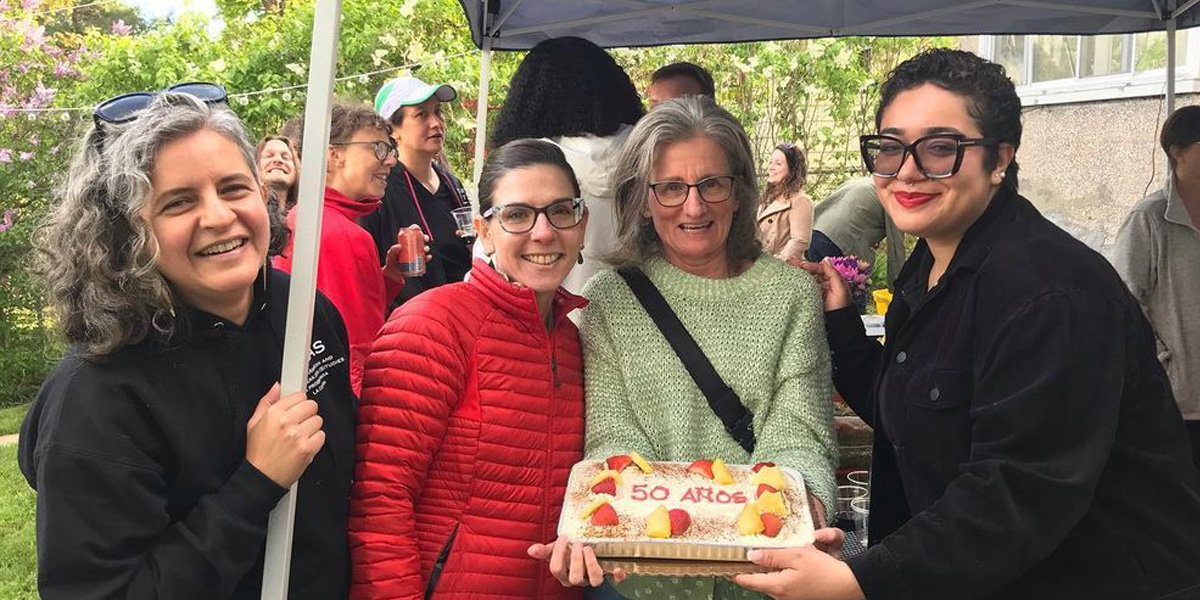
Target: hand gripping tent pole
<point>306,247</point>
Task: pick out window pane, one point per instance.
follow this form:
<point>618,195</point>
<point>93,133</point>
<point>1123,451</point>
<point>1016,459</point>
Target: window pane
<point>1054,57</point>
<point>1150,50</point>
<point>1010,53</point>
<point>1102,55</point>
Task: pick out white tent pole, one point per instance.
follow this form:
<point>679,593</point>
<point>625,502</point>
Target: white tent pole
<point>485,75</point>
<point>305,249</point>
<point>1171,61</point>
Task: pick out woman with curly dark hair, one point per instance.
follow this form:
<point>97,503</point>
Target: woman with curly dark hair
<point>1026,441</point>
<point>785,213</point>
<point>571,92</point>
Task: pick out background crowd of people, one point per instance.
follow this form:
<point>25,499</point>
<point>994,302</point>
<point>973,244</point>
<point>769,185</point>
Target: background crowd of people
<point>1028,441</point>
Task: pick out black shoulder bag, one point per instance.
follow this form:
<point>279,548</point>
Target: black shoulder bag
<point>721,398</point>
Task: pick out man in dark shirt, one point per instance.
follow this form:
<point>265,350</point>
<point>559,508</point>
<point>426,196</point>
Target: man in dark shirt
<point>419,191</point>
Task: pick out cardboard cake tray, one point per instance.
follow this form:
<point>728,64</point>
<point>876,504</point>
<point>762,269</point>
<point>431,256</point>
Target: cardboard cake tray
<point>680,568</point>
<point>682,557</point>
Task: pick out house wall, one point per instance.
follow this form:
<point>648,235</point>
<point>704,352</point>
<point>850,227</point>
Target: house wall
<point>1084,165</point>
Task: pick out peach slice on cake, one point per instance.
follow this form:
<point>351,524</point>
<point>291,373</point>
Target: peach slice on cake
<point>721,472</point>
<point>640,462</point>
<point>591,508</point>
<point>771,476</point>
<point>606,474</point>
<point>658,524</point>
<point>750,522</point>
<point>772,502</point>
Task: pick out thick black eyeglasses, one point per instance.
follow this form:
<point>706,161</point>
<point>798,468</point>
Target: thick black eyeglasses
<point>937,156</point>
<point>713,190</point>
<point>125,108</point>
<point>382,149</point>
<point>520,218</point>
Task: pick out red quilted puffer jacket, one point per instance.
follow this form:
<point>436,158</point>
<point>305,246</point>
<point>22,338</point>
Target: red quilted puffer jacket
<point>471,417</point>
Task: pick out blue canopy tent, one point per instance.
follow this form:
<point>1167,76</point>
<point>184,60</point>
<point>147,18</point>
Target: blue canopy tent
<point>521,24</point>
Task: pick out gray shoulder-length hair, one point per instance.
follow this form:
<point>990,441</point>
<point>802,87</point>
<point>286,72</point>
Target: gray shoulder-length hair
<point>675,121</point>
<point>96,253</point>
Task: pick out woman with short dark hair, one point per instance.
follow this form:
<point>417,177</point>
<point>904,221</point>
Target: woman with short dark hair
<point>159,445</point>
<point>472,411</point>
<point>1026,442</point>
<point>1156,253</point>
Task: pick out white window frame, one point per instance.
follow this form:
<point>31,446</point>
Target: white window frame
<point>1105,87</point>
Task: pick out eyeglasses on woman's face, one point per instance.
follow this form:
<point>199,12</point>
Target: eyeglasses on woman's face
<point>712,190</point>
<point>518,218</point>
<point>382,150</point>
<point>937,156</point>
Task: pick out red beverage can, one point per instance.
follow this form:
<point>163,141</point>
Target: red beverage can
<point>412,252</point>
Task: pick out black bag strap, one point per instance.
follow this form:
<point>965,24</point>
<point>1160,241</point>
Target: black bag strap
<point>721,398</point>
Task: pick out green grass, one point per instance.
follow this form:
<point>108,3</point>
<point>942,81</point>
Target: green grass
<point>11,417</point>
<point>18,556</point>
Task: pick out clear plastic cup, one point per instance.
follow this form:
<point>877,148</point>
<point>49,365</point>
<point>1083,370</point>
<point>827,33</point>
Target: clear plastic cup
<point>465,220</point>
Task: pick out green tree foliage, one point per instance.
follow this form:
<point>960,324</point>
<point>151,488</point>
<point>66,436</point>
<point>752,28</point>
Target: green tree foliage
<point>65,54</point>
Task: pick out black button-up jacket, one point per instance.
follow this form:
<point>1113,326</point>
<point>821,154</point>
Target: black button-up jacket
<point>1026,441</point>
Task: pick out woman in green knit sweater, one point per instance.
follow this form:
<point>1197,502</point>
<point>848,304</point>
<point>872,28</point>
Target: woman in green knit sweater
<point>685,205</point>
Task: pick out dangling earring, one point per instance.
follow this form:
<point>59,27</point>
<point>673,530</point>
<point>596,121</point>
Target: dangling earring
<point>580,255</point>
<point>266,271</point>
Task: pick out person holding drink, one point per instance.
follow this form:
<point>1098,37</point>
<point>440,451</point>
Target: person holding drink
<point>1026,441</point>
<point>472,409</point>
<point>419,190</point>
<point>360,155</point>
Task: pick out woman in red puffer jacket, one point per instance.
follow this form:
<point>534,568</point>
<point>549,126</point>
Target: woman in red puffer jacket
<point>472,404</point>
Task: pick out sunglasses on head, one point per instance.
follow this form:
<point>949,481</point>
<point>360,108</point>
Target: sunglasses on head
<point>125,108</point>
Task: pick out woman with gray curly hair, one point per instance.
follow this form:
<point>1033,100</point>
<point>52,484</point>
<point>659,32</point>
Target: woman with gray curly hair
<point>685,205</point>
<point>160,443</point>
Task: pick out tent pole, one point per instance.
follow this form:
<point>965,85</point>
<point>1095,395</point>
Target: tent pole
<point>302,291</point>
<point>1171,61</point>
<point>485,73</point>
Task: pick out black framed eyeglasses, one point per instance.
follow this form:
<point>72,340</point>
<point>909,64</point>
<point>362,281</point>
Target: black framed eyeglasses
<point>520,218</point>
<point>382,150</point>
<point>937,156</point>
<point>713,190</point>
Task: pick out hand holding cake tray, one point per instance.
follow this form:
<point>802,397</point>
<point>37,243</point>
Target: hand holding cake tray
<point>678,518</point>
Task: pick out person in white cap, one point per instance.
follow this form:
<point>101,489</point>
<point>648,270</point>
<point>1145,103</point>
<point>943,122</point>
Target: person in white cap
<point>419,191</point>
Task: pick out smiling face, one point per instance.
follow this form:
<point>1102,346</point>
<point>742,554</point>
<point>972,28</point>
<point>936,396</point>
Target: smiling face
<point>695,234</point>
<point>209,222</point>
<point>541,258</point>
<point>939,210</point>
<point>276,165</point>
<point>777,167</point>
<point>354,170</point>
<point>422,129</point>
